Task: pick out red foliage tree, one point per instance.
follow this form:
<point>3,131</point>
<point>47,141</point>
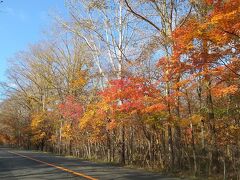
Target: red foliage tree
<point>71,109</point>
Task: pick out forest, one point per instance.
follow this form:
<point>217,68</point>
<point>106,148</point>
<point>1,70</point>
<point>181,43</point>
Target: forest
<point>142,83</point>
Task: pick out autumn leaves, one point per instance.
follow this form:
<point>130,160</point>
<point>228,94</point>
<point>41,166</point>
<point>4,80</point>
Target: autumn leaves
<point>169,101</point>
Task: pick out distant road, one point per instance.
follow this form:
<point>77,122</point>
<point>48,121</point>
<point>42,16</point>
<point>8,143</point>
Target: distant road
<point>28,165</point>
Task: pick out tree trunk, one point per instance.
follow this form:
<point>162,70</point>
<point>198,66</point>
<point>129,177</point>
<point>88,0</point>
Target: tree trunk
<point>123,146</point>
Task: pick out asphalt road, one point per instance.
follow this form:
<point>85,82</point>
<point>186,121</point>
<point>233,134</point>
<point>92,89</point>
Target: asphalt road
<point>27,165</point>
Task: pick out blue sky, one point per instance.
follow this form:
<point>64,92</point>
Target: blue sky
<point>22,22</point>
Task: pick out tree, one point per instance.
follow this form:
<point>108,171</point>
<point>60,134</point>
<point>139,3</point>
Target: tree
<point>153,84</point>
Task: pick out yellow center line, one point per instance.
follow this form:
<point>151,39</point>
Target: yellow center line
<point>57,167</point>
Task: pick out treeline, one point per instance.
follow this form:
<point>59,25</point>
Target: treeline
<point>147,83</point>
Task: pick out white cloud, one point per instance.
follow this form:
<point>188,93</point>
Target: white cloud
<point>9,11</point>
<point>19,14</point>
<point>22,16</point>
